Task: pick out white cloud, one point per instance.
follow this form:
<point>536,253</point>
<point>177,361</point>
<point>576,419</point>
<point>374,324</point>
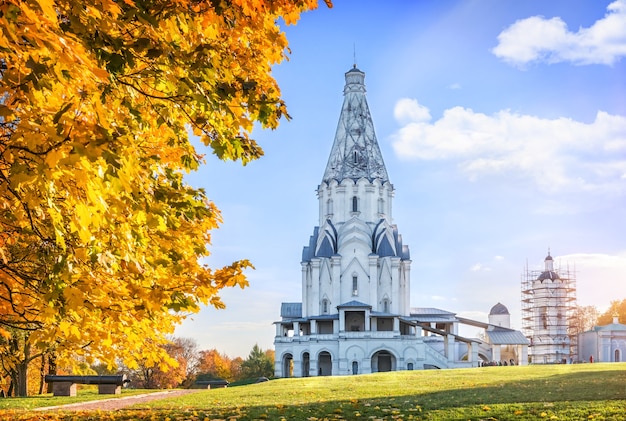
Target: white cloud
<point>555,153</point>
<point>409,110</point>
<point>540,39</point>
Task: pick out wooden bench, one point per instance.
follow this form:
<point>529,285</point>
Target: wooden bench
<point>67,385</point>
<point>209,384</point>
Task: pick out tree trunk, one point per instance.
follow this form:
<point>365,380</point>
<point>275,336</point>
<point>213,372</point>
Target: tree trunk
<point>11,387</point>
<point>22,372</point>
<point>42,373</point>
<point>52,368</point>
<point>22,379</point>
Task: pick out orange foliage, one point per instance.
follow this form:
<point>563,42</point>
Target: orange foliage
<point>215,365</point>
<point>101,240</point>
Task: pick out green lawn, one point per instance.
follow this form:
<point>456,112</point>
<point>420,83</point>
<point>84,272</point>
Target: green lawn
<point>85,393</point>
<point>563,392</point>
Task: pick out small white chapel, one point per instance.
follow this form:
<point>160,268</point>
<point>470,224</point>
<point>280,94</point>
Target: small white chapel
<point>355,316</point>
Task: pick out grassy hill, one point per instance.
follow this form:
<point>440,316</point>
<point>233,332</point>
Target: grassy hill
<point>563,392</point>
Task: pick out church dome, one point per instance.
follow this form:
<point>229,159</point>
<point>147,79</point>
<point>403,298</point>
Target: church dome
<point>549,274</point>
<point>499,309</point>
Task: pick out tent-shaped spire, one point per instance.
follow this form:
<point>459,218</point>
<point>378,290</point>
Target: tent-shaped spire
<point>355,153</point>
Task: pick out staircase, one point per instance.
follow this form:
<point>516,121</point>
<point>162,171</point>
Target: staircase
<point>434,357</point>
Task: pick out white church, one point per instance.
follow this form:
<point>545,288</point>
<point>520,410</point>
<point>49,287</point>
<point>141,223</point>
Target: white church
<point>355,316</point>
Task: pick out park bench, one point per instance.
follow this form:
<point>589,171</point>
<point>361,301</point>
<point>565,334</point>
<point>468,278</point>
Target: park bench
<point>67,385</point>
<point>209,384</point>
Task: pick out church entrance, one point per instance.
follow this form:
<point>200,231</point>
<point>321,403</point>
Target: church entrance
<point>288,365</point>
<point>383,361</point>
<point>324,364</point>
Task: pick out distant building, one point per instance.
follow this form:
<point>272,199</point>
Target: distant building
<point>500,316</point>
<point>506,344</point>
<point>548,302</point>
<point>500,344</point>
<point>603,344</point>
<point>355,316</point>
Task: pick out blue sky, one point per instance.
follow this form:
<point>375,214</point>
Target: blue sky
<point>503,128</point>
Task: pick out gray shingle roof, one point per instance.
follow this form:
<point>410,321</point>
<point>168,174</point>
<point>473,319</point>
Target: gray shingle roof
<point>291,310</point>
<point>325,317</point>
<point>610,327</point>
<point>502,336</point>
<point>382,314</point>
<point>428,318</point>
<point>418,311</point>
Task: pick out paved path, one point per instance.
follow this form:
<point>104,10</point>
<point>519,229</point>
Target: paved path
<point>118,403</point>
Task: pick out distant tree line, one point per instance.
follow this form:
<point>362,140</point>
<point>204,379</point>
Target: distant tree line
<point>586,317</point>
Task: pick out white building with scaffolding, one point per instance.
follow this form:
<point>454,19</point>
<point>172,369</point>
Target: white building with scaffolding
<point>548,304</point>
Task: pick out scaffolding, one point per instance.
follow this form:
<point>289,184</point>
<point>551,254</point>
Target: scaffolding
<point>548,313</point>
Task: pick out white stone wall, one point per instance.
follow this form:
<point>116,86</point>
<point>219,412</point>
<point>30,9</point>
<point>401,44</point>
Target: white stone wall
<point>602,346</point>
<point>332,279</point>
<point>502,320</point>
<point>406,352</point>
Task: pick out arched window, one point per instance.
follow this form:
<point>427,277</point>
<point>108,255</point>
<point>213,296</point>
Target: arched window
<point>324,306</point>
<point>355,285</point>
<point>329,207</point>
<point>356,158</point>
<point>385,306</point>
<point>355,204</point>
<point>381,205</point>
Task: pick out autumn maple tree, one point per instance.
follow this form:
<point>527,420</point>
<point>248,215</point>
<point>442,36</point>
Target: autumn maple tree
<point>214,365</point>
<point>616,309</point>
<point>101,239</point>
